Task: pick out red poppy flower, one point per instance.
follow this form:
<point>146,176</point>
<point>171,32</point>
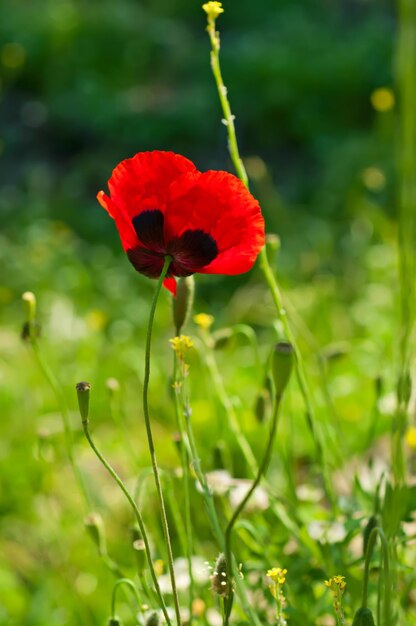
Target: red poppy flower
<point>207,222</point>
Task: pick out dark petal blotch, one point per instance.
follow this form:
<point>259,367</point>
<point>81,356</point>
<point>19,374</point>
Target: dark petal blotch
<point>191,251</point>
<point>149,229</point>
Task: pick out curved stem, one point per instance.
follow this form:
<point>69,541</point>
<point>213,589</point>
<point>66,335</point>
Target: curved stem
<point>137,513</point>
<point>150,436</point>
<point>128,583</point>
<point>261,471</point>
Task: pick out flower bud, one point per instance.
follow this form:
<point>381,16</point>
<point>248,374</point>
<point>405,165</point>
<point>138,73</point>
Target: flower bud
<point>30,329</point>
<point>153,619</point>
<point>29,300</point>
<point>140,551</point>
<point>282,363</point>
<point>371,524</point>
<point>114,621</point>
<point>363,617</point>
<point>182,304</point>
<point>219,578</point>
<point>83,392</point>
<point>95,527</point>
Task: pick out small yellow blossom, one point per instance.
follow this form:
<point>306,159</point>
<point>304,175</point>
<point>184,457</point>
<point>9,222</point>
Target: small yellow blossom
<point>203,320</point>
<point>337,586</point>
<point>181,345</point>
<point>410,437</point>
<point>277,575</point>
<point>213,9</point>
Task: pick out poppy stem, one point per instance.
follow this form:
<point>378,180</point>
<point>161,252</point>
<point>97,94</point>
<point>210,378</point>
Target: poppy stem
<point>150,435</point>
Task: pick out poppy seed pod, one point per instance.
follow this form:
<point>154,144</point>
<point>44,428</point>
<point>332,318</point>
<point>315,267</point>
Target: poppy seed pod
<point>371,524</point>
<point>219,578</point>
<point>153,619</point>
<point>282,363</point>
<point>83,393</point>
<point>182,304</point>
<point>363,617</point>
<point>95,527</point>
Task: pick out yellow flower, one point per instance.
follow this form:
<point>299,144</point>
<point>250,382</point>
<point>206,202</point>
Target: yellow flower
<point>410,437</point>
<point>277,575</point>
<point>203,320</point>
<point>213,9</point>
<point>181,345</point>
<point>336,583</point>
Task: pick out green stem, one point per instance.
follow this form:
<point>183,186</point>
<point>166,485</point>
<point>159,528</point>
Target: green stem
<point>264,262</point>
<point>406,156</point>
<point>386,572</point>
<point>120,483</point>
<point>232,419</point>
<point>179,381</point>
<point>212,513</point>
<point>57,391</point>
<point>261,471</point>
<point>150,437</point>
<point>128,583</point>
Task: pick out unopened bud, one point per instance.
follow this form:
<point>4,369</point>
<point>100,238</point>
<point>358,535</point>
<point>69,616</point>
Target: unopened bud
<point>114,621</point>
<point>273,242</point>
<point>112,385</point>
<point>219,578</point>
<point>404,388</point>
<point>371,524</point>
<point>363,617</point>
<point>140,551</point>
<point>153,619</point>
<point>282,363</point>
<point>30,329</point>
<point>83,392</point>
<point>182,304</point>
<point>222,338</point>
<point>95,527</point>
<point>29,300</point>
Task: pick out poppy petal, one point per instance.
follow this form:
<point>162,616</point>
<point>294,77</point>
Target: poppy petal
<point>218,204</point>
<point>142,182</point>
<point>123,222</point>
<point>170,285</point>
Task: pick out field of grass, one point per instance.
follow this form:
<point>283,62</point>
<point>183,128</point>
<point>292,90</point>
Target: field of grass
<point>336,280</point>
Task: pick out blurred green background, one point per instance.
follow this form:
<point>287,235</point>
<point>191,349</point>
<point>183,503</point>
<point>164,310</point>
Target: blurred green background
<point>86,84</point>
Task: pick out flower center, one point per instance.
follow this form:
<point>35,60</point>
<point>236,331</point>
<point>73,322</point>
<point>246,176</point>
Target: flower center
<point>190,251</point>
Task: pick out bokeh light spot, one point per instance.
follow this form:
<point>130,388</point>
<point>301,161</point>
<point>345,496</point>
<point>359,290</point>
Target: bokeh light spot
<point>13,55</point>
<point>383,99</point>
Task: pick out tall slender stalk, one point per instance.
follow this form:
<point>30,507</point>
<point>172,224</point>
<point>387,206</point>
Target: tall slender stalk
<point>264,262</point>
<point>150,437</point>
<point>406,162</point>
<point>185,480</point>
